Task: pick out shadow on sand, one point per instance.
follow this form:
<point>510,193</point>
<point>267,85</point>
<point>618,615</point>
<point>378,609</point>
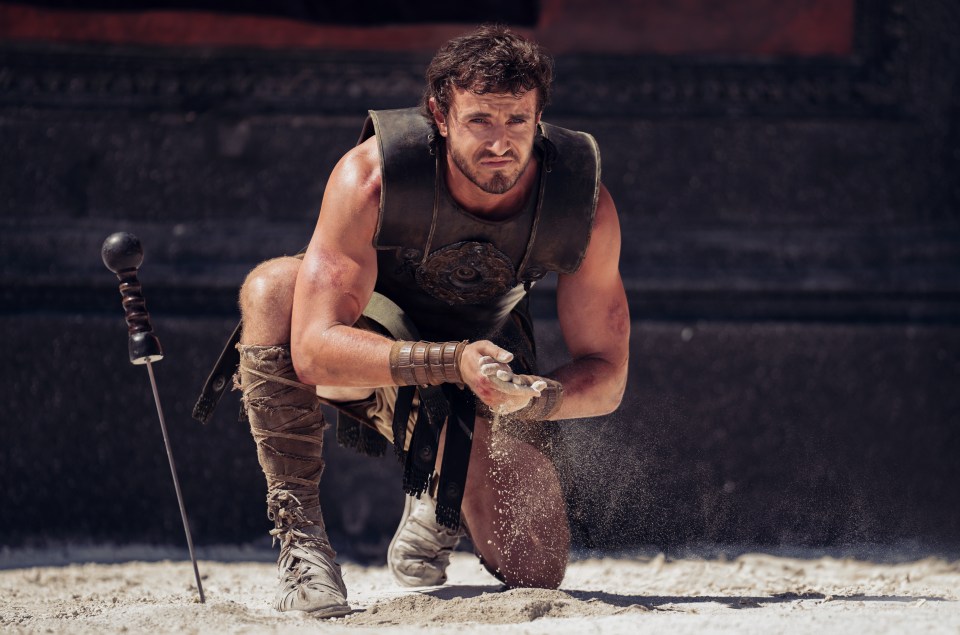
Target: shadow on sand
<point>654,602</point>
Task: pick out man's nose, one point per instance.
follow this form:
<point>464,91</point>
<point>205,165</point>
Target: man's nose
<point>499,142</point>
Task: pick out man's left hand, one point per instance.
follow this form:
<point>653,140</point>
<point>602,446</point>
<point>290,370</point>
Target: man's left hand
<point>521,388</point>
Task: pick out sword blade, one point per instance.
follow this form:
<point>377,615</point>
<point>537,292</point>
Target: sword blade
<point>176,481</point>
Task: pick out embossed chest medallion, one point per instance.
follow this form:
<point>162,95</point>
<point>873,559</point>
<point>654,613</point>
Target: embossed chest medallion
<point>466,273</point>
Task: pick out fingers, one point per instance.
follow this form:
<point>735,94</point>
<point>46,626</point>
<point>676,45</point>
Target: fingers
<point>507,382</point>
<point>488,349</point>
<point>536,383</point>
<point>489,366</point>
<point>509,386</point>
<point>503,388</point>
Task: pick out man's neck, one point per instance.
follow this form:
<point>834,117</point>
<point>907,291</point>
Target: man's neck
<point>484,204</point>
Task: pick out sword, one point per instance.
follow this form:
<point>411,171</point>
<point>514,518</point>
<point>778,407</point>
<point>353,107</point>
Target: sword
<point>123,254</point>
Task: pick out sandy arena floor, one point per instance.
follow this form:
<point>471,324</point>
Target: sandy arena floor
<point>748,593</point>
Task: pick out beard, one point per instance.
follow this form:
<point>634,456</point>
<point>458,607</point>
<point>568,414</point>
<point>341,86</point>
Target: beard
<point>499,182</point>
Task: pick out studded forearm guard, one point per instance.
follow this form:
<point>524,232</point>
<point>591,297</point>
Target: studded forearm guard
<point>426,363</point>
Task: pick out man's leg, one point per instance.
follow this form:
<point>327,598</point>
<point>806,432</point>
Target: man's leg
<point>287,425</point>
<point>515,511</point>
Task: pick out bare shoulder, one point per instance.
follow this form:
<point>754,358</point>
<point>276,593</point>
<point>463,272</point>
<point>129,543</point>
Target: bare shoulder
<point>358,171</point>
<point>351,201</point>
<point>603,251</point>
<point>606,219</point>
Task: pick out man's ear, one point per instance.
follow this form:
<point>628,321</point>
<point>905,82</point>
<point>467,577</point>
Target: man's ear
<point>438,117</point>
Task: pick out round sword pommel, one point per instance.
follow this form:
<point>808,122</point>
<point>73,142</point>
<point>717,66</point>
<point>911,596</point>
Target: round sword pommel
<point>122,252</point>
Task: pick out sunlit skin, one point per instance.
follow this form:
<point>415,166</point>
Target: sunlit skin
<point>491,171</point>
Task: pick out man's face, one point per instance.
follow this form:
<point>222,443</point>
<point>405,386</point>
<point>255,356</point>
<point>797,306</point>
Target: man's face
<point>490,137</point>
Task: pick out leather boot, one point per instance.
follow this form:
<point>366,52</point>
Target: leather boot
<point>287,425</point>
<point>419,553</point>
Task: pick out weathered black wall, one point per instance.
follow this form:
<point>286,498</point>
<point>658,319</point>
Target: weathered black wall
<point>791,253</point>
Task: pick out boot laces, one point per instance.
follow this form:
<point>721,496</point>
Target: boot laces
<point>306,556</point>
<point>291,523</point>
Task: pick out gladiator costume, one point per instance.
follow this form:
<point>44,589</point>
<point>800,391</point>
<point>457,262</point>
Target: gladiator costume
<point>444,276</point>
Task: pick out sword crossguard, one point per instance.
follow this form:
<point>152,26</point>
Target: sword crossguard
<point>123,255</point>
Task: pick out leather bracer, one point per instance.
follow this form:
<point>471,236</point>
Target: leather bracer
<point>426,363</point>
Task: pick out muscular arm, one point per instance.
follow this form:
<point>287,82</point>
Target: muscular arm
<point>595,322</point>
<point>336,281</point>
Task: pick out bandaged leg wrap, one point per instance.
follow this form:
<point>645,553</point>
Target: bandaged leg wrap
<point>287,424</point>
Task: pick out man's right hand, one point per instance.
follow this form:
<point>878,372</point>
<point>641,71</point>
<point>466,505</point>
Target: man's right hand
<point>485,369</point>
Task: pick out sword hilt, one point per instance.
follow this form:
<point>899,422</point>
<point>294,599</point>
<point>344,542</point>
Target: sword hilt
<point>123,255</point>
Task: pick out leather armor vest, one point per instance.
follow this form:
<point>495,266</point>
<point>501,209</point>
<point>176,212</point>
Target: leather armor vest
<point>456,275</point>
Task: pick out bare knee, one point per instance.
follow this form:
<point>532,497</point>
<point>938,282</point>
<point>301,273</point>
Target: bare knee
<point>522,555</point>
<point>266,302</point>
<point>547,574</point>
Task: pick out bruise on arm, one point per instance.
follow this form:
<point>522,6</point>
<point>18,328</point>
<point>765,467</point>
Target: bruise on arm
<point>595,321</point>
<point>335,275</point>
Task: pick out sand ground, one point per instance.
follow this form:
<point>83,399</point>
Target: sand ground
<point>803,592</point>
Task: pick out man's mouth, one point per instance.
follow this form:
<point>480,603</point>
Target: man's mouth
<point>498,162</point>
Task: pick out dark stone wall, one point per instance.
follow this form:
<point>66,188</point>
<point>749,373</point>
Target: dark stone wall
<point>791,253</point>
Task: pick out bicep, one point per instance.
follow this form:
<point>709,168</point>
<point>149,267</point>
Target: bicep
<point>334,284</point>
<point>339,269</point>
<point>591,303</point>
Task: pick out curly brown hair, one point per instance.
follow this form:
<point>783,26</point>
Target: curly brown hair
<point>492,59</point>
